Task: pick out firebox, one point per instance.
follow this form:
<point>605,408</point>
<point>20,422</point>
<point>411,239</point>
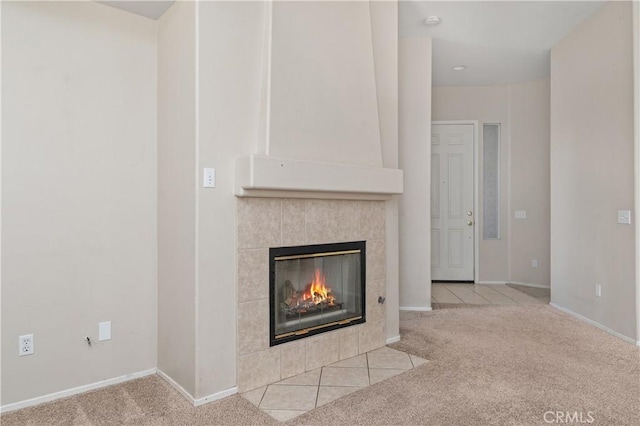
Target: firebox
<point>315,288</point>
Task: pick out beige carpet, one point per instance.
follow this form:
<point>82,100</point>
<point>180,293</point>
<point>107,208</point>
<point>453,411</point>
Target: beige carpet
<point>489,365</point>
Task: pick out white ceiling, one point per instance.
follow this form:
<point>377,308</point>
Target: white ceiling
<point>500,42</point>
<point>150,8</point>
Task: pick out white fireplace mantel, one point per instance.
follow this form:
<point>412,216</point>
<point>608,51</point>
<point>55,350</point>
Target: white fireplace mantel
<point>262,176</point>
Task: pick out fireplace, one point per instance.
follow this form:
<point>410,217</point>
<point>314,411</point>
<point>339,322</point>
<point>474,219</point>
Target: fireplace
<point>315,288</point>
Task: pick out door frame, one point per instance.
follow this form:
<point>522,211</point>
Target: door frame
<point>476,179</point>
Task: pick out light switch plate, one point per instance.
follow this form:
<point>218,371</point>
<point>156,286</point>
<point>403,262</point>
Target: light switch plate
<point>104,330</point>
<point>209,178</point>
<point>624,217</point>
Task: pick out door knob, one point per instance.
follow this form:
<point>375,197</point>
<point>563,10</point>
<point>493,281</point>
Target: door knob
<point>470,223</point>
<point>469,213</point>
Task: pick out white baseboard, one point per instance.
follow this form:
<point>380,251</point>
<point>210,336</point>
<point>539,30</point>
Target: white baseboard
<point>215,396</point>
<point>176,386</point>
<point>529,284</point>
<point>74,391</point>
<point>514,282</point>
<point>199,401</point>
<point>595,324</point>
<point>393,339</point>
<point>416,308</point>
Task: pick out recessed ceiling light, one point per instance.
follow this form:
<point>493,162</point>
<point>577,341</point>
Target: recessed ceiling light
<point>432,21</point>
<point>459,68</point>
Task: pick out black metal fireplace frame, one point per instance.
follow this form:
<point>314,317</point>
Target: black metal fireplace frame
<point>314,249</point>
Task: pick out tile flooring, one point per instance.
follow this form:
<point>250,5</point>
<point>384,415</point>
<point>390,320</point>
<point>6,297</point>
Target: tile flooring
<point>448,294</point>
<point>292,397</point>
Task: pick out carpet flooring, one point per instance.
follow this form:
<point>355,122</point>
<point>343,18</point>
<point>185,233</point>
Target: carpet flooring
<point>489,365</point>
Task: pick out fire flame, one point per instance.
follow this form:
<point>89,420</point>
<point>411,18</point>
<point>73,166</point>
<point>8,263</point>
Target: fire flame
<point>317,291</point>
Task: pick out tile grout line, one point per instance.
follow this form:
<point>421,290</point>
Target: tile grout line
<point>318,388</point>
<point>481,297</point>
<point>484,297</point>
<point>510,298</point>
<point>453,294</point>
<point>291,384</point>
<point>263,394</point>
<point>442,286</point>
<point>502,294</point>
<point>368,368</point>
<point>463,301</point>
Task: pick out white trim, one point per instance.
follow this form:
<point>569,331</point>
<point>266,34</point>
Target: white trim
<point>199,401</point>
<point>416,308</point>
<point>257,173</point>
<point>476,189</point>
<point>215,396</point>
<point>77,390</point>
<point>514,282</point>
<point>529,284</point>
<point>176,386</point>
<point>394,339</point>
<point>594,323</point>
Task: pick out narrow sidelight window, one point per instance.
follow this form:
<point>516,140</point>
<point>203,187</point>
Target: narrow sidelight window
<point>491,182</point>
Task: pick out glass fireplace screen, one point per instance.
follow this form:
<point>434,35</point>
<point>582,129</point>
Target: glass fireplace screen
<point>316,288</point>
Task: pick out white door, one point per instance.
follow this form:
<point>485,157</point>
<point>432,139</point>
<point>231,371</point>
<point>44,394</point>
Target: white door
<point>452,215</point>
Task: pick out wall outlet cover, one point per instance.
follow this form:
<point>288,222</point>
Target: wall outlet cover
<point>25,345</point>
<point>104,330</point>
<point>624,217</point>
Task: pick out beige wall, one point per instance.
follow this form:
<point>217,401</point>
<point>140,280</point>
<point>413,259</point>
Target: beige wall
<point>209,108</point>
<point>323,104</point>
<point>592,173</point>
<point>529,182</point>
<point>414,154</point>
<point>522,110</point>
<point>230,48</point>
<point>177,195</point>
<point>78,194</point>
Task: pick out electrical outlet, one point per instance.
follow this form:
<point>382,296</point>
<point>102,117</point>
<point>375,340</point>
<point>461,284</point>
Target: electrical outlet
<point>534,263</point>
<point>25,345</point>
<point>598,290</point>
<point>624,217</point>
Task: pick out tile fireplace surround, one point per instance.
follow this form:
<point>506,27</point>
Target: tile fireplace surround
<point>274,222</point>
